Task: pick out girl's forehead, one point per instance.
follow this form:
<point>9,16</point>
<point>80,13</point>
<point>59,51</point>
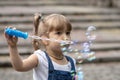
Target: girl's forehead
<point>62,28</point>
<point>57,22</point>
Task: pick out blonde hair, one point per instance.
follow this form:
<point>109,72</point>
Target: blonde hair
<point>48,24</point>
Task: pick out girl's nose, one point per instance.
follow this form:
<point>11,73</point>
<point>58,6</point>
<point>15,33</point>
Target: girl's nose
<point>65,38</point>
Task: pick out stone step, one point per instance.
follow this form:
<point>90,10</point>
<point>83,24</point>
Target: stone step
<point>72,18</point>
<point>101,56</point>
<point>71,10</point>
<point>98,25</point>
<point>44,2</point>
<point>76,25</point>
<point>116,3</point>
<point>103,69</point>
<point>102,36</point>
<point>26,47</point>
<point>99,3</point>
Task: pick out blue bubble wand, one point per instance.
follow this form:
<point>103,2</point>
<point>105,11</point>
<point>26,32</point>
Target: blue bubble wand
<point>25,35</point>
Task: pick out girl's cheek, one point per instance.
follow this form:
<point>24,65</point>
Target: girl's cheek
<point>56,45</point>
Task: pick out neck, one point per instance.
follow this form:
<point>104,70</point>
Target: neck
<point>55,55</point>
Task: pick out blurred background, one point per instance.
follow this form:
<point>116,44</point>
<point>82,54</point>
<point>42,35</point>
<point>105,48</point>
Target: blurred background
<point>103,14</point>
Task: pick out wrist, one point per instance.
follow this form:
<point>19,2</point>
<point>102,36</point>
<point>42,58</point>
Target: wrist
<point>12,46</point>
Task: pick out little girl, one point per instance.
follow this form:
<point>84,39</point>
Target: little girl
<point>48,61</point>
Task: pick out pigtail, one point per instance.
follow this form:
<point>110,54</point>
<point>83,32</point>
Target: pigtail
<point>36,21</point>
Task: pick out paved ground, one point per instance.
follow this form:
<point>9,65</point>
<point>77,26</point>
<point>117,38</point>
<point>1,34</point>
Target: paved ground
<point>101,71</point>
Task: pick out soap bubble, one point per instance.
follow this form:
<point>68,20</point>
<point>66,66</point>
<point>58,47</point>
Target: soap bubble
<point>91,28</point>
<point>91,33</point>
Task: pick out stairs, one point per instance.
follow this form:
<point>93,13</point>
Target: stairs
<point>55,2</point>
<point>103,14</point>
<point>19,14</point>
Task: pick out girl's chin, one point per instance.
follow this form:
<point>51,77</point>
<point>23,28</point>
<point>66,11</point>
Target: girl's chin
<point>56,49</point>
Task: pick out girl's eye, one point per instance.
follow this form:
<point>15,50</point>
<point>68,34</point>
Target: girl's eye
<point>58,33</point>
<point>68,33</point>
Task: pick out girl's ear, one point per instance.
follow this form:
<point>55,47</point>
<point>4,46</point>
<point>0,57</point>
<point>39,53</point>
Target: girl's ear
<point>45,42</point>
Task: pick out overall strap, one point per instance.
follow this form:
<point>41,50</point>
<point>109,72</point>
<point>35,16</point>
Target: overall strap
<point>72,63</point>
<point>50,65</point>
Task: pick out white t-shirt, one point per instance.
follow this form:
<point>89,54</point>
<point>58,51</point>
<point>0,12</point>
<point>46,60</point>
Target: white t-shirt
<point>41,71</point>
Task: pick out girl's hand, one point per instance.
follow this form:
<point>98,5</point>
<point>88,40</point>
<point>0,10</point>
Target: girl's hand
<point>11,40</point>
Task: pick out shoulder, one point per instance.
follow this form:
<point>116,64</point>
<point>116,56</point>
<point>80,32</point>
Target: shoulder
<point>72,59</point>
<point>38,51</point>
<point>40,55</point>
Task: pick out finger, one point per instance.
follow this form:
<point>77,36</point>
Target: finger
<point>14,28</point>
<point>10,27</point>
<point>6,27</point>
<point>14,37</point>
<point>6,35</point>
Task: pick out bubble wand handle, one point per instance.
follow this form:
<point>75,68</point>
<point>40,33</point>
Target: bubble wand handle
<point>17,33</point>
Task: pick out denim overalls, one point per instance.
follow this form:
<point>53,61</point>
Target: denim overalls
<point>58,74</point>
